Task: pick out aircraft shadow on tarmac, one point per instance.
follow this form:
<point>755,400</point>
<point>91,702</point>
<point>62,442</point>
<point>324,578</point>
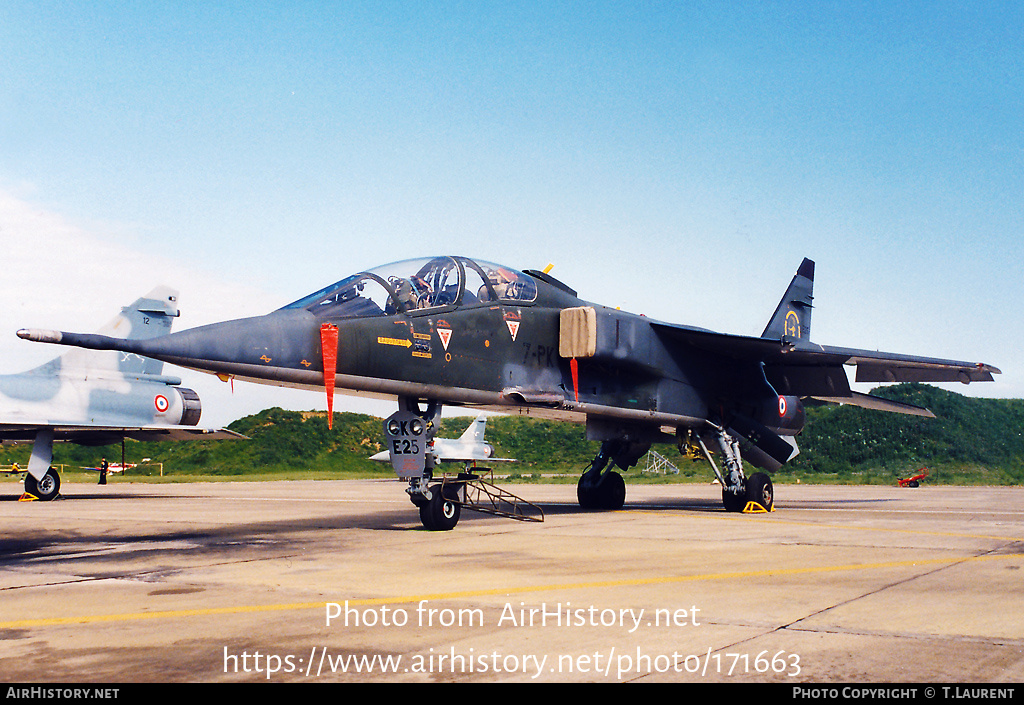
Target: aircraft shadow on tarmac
<point>274,538</point>
<point>708,505</point>
<point>284,536</point>
<point>82,547</point>
<point>107,495</point>
<point>713,506</point>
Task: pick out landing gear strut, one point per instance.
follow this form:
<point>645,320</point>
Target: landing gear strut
<point>47,486</point>
<point>410,433</point>
<point>739,493</point>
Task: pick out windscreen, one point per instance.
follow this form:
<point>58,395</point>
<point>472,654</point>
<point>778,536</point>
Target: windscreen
<point>413,285</point>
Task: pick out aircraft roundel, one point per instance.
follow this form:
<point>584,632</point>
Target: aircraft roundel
<point>782,406</point>
<point>161,403</point>
<point>445,334</point>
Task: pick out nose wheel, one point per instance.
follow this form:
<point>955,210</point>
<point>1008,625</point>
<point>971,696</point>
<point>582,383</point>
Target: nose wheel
<point>442,511</point>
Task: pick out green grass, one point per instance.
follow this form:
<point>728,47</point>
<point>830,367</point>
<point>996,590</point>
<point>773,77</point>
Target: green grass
<point>973,442</point>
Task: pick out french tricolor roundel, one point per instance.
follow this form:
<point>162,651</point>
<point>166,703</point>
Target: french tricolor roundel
<point>161,403</point>
<point>782,406</point>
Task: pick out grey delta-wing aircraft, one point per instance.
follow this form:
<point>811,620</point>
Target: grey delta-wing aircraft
<point>98,398</point>
<point>458,331</point>
<point>468,448</point>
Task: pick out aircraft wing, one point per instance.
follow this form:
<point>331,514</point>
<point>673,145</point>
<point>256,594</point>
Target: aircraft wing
<point>457,459</point>
<point>385,457</point>
<point>799,368</point>
<point>101,435</point>
<point>875,366</point>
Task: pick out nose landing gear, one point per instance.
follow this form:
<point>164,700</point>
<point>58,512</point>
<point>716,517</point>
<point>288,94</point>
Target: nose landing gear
<point>440,498</point>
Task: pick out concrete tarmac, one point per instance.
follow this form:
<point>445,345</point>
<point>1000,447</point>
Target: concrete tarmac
<point>326,581</point>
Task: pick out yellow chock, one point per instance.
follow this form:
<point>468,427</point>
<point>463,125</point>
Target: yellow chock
<point>755,508</point>
<point>27,497</point>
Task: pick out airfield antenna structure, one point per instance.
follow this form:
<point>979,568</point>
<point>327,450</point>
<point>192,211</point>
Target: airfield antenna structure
<point>658,463</point>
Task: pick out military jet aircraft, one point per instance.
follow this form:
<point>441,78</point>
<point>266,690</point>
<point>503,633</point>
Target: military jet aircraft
<point>468,448</point>
<point>458,331</point>
<point>113,468</point>
<point>98,398</point>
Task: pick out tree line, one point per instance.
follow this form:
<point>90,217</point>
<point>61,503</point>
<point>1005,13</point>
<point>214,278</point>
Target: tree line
<point>972,441</point>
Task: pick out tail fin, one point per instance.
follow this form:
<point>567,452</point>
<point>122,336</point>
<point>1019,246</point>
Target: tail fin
<point>476,430</point>
<point>150,316</point>
<point>792,318</point>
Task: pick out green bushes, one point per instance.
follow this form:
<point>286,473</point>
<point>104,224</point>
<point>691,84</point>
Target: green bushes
<point>973,441</point>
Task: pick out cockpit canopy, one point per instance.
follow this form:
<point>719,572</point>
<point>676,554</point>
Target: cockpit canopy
<point>418,284</point>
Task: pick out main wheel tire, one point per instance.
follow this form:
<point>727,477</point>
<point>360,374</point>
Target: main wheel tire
<point>733,502</point>
<point>586,495</point>
<point>612,491</point>
<point>608,493</point>
<point>442,511</point>
<point>45,489</point>
<point>760,490</point>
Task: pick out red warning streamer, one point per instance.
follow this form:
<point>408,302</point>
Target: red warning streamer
<point>575,377</point>
<point>329,347</point>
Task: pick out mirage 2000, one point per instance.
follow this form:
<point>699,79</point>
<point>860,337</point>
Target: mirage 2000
<point>98,398</point>
<point>458,331</point>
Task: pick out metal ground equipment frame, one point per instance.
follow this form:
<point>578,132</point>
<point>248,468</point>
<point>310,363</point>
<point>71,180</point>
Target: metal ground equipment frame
<point>482,495</point>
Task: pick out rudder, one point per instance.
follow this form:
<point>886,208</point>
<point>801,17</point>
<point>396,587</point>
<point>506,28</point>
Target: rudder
<point>475,432</point>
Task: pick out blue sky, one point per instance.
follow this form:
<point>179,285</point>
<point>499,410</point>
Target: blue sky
<point>677,159</point>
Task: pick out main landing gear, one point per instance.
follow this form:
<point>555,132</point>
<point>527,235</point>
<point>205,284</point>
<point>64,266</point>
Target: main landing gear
<point>739,493</point>
<point>600,489</point>
<point>45,489</point>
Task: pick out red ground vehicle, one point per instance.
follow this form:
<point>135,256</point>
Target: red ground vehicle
<point>913,480</point>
